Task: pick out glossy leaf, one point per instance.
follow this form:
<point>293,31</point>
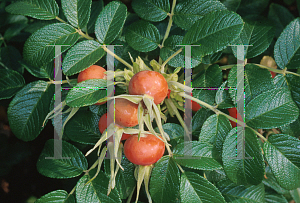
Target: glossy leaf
<point>231,5</point>
<point>29,108</point>
<point>11,82</point>
<point>77,11</point>
<point>293,83</point>
<point>199,118</point>
<point>142,36</point>
<point>87,92</point>
<point>57,196</point>
<point>240,193</point>
<point>71,163</point>
<point>110,22</point>
<point>280,16</point>
<point>197,155</point>
<point>194,188</point>
<point>96,190</point>
<point>188,12</point>
<point>37,51</point>
<point>81,56</point>
<point>44,71</point>
<point>39,9</point>
<point>214,131</point>
<point>96,8</point>
<point>271,109</point>
<point>271,182</point>
<point>258,34</point>
<point>165,180</point>
<point>287,46</point>
<point>151,10</point>
<point>249,7</point>
<point>83,128</point>
<point>292,128</point>
<point>272,198</point>
<point>242,158</point>
<point>123,53</point>
<point>283,154</point>
<point>214,32</point>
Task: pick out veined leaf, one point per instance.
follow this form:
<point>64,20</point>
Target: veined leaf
<point>142,36</point>
<point>81,56</point>
<point>29,108</point>
<point>39,9</point>
<point>39,49</point>
<point>165,180</point>
<point>152,10</point>
<point>188,12</point>
<point>110,22</point>
<point>77,11</point>
<point>271,109</point>
<point>9,59</point>
<point>194,188</point>
<point>242,158</point>
<point>223,99</point>
<point>199,118</point>
<point>283,156</point>
<point>72,163</point>
<point>214,32</point>
<point>287,46</point>
<point>57,196</point>
<point>11,82</point>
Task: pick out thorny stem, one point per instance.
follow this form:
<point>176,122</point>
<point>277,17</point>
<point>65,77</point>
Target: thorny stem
<point>169,24</point>
<point>220,112</point>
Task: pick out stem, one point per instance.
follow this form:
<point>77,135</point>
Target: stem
<point>289,72</point>
<point>84,35</point>
<point>169,24</point>
<point>227,66</point>
<point>270,69</point>
<point>60,81</point>
<point>61,20</point>
<point>162,70</point>
<point>180,168</point>
<point>117,57</point>
<point>72,191</point>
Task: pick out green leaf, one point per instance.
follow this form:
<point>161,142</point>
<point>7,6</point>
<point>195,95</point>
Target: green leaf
<point>296,195</point>
<point>165,180</point>
<point>283,154</point>
<point>171,46</point>
<point>110,22</point>
<point>214,131</point>
<point>293,83</point>
<point>86,93</point>
<point>44,71</point>
<point>287,47</point>
<point>199,118</point>
<point>83,128</point>
<point>98,109</point>
<point>11,82</point>
<point>242,158</point>
<point>249,7</point>
<point>212,58</point>
<point>259,34</point>
<point>96,190</point>
<point>208,78</point>
<point>257,81</point>
<point>280,16</point>
<point>223,99</point>
<point>77,11</point>
<point>215,176</point>
<point>231,5</point>
<point>29,108</point>
<point>13,31</point>
<point>81,56</point>
<point>197,155</point>
<point>151,10</point>
<point>194,188</point>
<point>96,8</point>
<point>57,196</point>
<point>39,9</point>
<point>240,193</point>
<point>275,198</point>
<point>278,109</point>
<point>71,164</point>
<point>9,58</point>
<point>125,180</point>
<point>123,53</point>
<point>188,12</point>
<point>37,51</point>
<point>272,182</point>
<point>142,36</point>
<point>214,32</point>
<point>292,128</point>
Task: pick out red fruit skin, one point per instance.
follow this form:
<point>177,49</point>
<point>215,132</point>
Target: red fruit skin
<point>195,106</point>
<point>273,74</point>
<point>125,112</point>
<point>103,125</point>
<point>92,72</point>
<point>233,113</point>
<point>149,82</point>
<point>145,152</point>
